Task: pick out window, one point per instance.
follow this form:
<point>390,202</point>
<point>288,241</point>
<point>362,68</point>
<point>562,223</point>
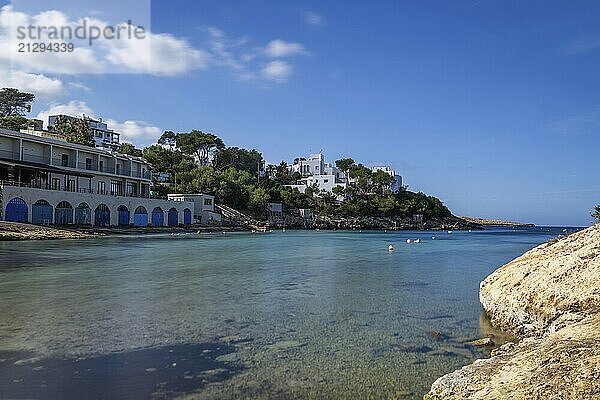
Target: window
<point>131,189</point>
<point>88,163</point>
<point>325,180</point>
<point>101,166</point>
<point>71,185</point>
<point>208,202</point>
<point>118,168</point>
<point>101,187</point>
<point>55,184</point>
<point>116,188</point>
<point>64,160</point>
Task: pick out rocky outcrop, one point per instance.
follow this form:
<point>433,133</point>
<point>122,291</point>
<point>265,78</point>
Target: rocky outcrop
<point>495,222</point>
<point>549,297</point>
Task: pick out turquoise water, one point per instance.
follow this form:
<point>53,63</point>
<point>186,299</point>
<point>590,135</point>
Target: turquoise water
<point>286,314</point>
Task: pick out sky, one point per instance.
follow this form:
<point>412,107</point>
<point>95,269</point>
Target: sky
<point>492,106</point>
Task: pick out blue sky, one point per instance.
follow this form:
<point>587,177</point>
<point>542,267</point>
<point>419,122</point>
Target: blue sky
<point>492,106</point>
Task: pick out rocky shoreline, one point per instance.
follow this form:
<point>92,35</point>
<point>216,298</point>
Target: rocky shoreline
<point>550,298</point>
<point>496,222</point>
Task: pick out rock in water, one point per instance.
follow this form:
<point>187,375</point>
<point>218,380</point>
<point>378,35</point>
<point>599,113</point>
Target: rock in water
<point>550,297</point>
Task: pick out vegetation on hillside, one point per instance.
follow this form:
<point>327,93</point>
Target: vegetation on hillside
<point>596,213</point>
<point>199,162</point>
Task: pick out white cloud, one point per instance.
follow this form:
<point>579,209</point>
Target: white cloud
<point>279,48</point>
<point>313,19</point>
<point>156,54</point>
<point>278,71</point>
<point>39,84</point>
<point>141,133</point>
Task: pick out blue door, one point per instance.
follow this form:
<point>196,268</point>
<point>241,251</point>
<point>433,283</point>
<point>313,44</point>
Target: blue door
<point>41,213</point>
<point>173,217</point>
<point>102,215</point>
<point>158,217</point>
<point>187,217</point>
<point>123,216</point>
<point>140,217</point>
<point>63,214</point>
<point>83,214</point>
<point>16,210</point>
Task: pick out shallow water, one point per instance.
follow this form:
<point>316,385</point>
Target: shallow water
<point>275,315</point>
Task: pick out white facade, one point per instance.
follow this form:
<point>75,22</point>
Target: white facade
<point>397,184</point>
<point>315,171</point>
<point>52,172</point>
<point>204,206</point>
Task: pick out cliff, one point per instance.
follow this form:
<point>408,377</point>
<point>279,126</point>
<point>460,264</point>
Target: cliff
<point>550,298</point>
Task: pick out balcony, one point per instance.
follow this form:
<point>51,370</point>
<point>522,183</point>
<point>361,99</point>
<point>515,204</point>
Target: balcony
<point>47,186</point>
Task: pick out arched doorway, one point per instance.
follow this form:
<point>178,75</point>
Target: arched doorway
<point>102,215</point>
<point>16,210</point>
<point>63,213</point>
<point>158,217</point>
<point>140,216</point>
<point>187,216</point>
<point>173,217</point>
<point>123,216</point>
<point>41,213</point>
<point>83,214</point>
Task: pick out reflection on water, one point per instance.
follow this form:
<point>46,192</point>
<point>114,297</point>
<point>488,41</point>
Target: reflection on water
<point>295,314</point>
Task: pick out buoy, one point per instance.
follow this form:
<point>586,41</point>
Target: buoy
<point>449,231</point>
<point>469,230</point>
<point>390,248</point>
<point>385,230</point>
<point>408,241</point>
<point>283,230</point>
<point>433,238</point>
<point>418,241</point>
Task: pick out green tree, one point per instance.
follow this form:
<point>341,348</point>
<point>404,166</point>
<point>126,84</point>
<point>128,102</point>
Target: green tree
<point>242,159</point>
<point>130,149</point>
<point>200,145</point>
<point>362,176</point>
<point>14,122</point>
<point>596,213</point>
<point>381,181</point>
<point>283,173</point>
<point>75,130</point>
<point>258,200</point>
<point>14,102</point>
<point>344,164</point>
<point>169,139</point>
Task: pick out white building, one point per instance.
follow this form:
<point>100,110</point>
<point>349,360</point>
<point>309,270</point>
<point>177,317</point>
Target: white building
<point>104,137</point>
<point>46,180</point>
<point>204,206</point>
<point>315,171</point>
<point>397,184</point>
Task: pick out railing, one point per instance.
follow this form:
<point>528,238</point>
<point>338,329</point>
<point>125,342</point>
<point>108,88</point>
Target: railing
<point>48,186</point>
<point>36,159</point>
<point>58,162</point>
<point>11,155</point>
<point>88,167</point>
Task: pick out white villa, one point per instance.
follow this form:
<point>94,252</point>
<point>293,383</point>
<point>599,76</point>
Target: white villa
<point>315,171</point>
<point>46,180</point>
<point>397,184</point>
